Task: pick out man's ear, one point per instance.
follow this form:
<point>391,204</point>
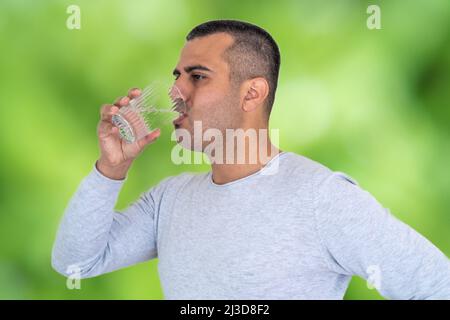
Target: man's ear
<point>255,92</point>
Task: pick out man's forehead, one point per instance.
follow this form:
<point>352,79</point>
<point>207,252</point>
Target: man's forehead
<point>205,50</point>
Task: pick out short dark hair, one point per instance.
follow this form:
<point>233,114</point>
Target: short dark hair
<point>254,53</point>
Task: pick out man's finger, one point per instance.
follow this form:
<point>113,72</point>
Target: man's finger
<point>104,129</point>
<point>107,111</point>
<point>134,93</point>
<point>121,101</point>
<point>152,136</point>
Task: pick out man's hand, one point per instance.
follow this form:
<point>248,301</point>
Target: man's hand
<point>116,156</point>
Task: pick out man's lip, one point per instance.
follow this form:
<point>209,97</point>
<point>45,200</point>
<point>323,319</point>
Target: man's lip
<point>180,118</point>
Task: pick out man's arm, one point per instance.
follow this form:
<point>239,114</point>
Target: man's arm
<point>362,238</point>
<point>94,239</point>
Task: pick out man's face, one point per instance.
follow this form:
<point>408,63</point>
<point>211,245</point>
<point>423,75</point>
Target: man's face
<point>203,77</point>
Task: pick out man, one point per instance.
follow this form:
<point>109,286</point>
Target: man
<point>280,227</point>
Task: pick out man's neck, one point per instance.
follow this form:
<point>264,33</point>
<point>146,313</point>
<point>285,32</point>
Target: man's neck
<point>227,172</point>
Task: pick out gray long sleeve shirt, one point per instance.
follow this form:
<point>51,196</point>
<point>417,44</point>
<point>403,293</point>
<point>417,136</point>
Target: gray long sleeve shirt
<point>293,230</point>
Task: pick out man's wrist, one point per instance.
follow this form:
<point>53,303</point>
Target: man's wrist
<point>118,172</point>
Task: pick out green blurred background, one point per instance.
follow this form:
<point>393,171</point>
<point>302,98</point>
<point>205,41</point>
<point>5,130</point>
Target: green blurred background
<point>371,103</point>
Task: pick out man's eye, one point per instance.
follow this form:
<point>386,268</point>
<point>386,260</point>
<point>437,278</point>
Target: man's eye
<point>197,77</point>
<point>176,76</point>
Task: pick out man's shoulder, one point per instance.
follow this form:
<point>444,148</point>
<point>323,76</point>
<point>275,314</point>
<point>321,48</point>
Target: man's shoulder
<point>316,172</point>
<point>296,164</point>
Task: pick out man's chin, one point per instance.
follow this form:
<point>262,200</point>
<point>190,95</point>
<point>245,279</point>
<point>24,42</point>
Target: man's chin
<point>185,139</point>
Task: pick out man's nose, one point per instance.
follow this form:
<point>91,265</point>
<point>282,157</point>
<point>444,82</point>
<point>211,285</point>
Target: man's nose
<point>183,87</point>
<point>178,98</point>
<point>175,93</point>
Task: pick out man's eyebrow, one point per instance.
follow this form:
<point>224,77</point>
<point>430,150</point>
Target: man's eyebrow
<point>196,67</point>
<point>191,68</point>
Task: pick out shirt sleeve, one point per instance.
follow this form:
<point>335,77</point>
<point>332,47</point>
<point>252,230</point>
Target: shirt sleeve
<point>363,238</point>
<point>94,239</point>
